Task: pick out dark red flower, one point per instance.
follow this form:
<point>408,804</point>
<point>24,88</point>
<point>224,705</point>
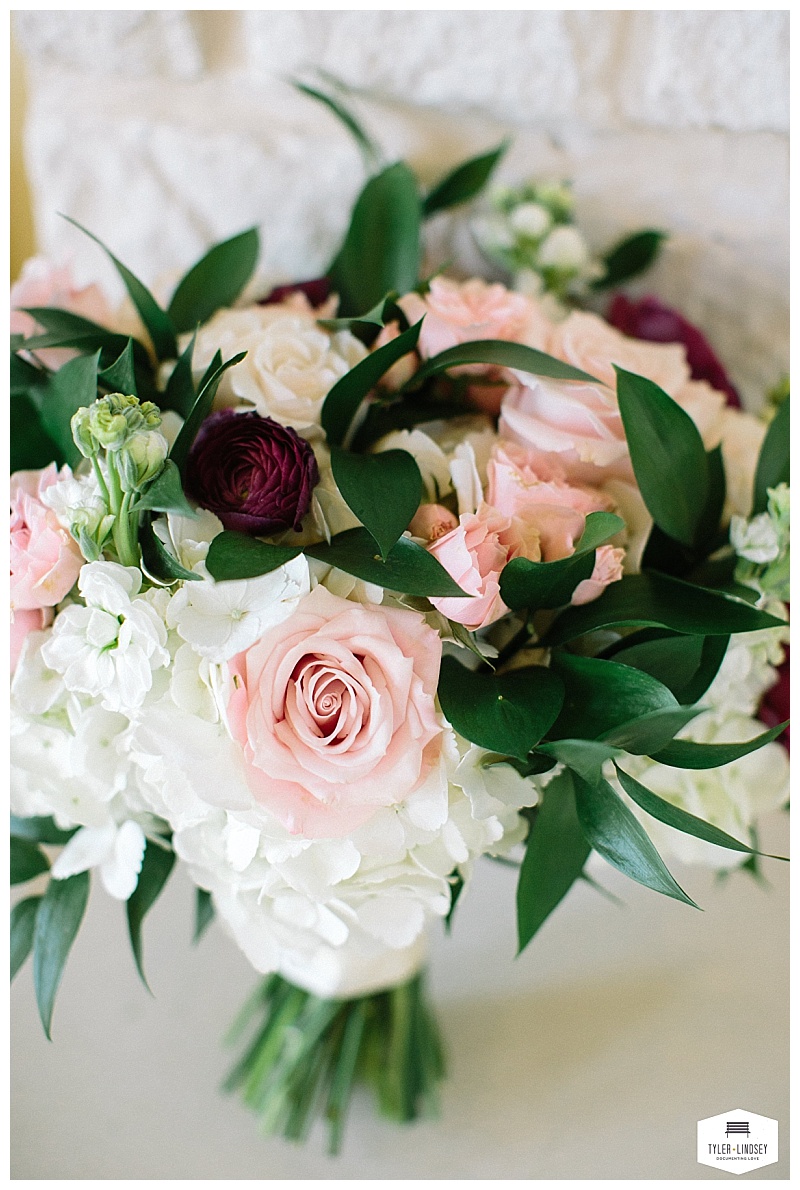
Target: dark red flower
<point>254,473</point>
<point>650,319</point>
<point>774,707</point>
<point>317,292</point>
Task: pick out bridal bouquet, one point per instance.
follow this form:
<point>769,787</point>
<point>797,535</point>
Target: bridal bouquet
<point>328,591</point>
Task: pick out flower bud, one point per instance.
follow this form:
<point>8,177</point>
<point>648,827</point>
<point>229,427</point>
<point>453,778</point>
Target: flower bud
<point>82,434</point>
<point>141,459</point>
<point>530,219</point>
<point>564,249</point>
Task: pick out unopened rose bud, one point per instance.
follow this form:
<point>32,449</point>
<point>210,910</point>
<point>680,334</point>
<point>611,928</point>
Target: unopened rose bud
<point>82,434</point>
<point>432,521</point>
<point>141,459</point>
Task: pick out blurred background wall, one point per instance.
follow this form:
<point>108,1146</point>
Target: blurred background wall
<point>163,130</point>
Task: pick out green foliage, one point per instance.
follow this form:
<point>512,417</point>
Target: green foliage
<point>534,585</point>
<point>180,394</point>
<point>31,447</point>
<point>39,830</point>
<point>464,182</point>
<point>686,754</point>
<point>203,913</point>
<point>631,256</point>
<point>120,377</point>
<point>157,562</point>
<point>58,919</point>
<point>407,568</point>
<point>165,493</point>
<point>23,924</point>
<point>71,388</point>
<point>650,732</point>
<point>502,354</point>
<point>215,281</point>
<point>26,861</point>
<point>344,399</point>
<point>508,714</point>
<point>156,866</point>
<point>234,555</point>
<point>383,490</point>
<point>773,461</point>
<point>555,855</point>
<point>382,249</point>
<point>65,329</point>
<point>201,409</point>
<point>686,664</point>
<point>370,151</point>
<point>601,695</point>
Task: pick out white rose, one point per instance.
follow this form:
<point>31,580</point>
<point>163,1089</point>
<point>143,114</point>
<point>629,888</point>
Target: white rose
<point>530,219</point>
<point>565,248</point>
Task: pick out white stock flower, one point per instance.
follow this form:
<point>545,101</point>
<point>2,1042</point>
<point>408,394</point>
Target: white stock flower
<point>117,851</point>
<point>189,538</point>
<point>747,670</point>
<point>220,619</point>
<point>291,363</point>
<point>109,648</point>
<point>757,540</point>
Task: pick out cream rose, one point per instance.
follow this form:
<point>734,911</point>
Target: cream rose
<point>588,342</point>
<point>335,711</point>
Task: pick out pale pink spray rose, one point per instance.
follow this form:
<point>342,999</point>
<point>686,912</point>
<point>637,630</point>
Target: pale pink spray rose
<point>43,284</point>
<point>588,342</point>
<point>432,521</point>
<point>474,554</point>
<point>607,569</point>
<point>403,369</point>
<point>335,710</point>
<point>45,561</point>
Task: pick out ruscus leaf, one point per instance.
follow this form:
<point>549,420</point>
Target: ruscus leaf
<point>26,861</point>
<point>58,919</point>
<point>156,867</point>
<point>343,400</point>
<point>215,281</point>
<point>23,924</point>
<point>463,182</point>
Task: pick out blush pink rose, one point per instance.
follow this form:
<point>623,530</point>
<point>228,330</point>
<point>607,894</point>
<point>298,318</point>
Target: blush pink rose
<point>45,559</point>
<point>432,521</point>
<point>403,369</point>
<point>588,342</point>
<point>574,428</point>
<point>474,554</point>
<point>607,569</point>
<point>23,622</point>
<point>43,284</point>
<point>335,712</point>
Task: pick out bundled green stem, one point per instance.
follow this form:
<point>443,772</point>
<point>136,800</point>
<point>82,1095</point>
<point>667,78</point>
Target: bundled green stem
<point>306,1054</point>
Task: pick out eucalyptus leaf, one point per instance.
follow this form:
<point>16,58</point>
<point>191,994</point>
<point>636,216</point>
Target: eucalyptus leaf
<point>668,456</point>
<point>659,601</point>
<point>555,855</point>
<point>234,555</point>
<point>773,461</point>
<point>200,411</point>
<point>616,834</point>
<point>686,754</point>
<point>157,323</point>
<point>382,248</point>
<point>407,568</point>
<point>344,399</point>
<point>58,919</point>
<point>156,867</point>
<point>500,353</point>
<point>383,490</point>
<point>216,281</point>
<point>507,713</point>
<point>630,257</point>
<point>26,861</point>
<point>23,924</point>
<point>534,585</point>
<point>680,819</point>
<point>69,389</point>
<point>464,182</point>
<point>601,695</point>
<point>165,493</point>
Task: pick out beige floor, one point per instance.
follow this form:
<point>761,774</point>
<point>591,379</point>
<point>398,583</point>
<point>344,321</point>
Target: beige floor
<point>592,1056</point>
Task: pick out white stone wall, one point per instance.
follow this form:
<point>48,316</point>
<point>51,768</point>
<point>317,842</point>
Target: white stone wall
<point>164,130</point>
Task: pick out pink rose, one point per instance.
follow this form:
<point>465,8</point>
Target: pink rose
<point>607,569</point>
<point>432,521</point>
<point>335,711</point>
<point>461,311</point>
<point>586,341</point>
<point>474,554</point>
<point>403,369</point>
<point>568,427</point>
<point>23,622</point>
<point>43,284</point>
<point>45,559</point>
<point>557,510</point>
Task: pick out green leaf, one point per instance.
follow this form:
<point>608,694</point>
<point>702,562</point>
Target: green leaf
<point>686,754</point>
<point>502,354</point>
<point>57,922</point>
<point>234,555</point>
<point>157,323</point>
<point>686,664</point>
<point>660,602</point>
<point>180,394</point>
<point>616,834</point>
<point>383,490</point>
<point>773,461</point>
<point>215,281</point>
<point>369,149</point>
<point>456,881</point>
<point>382,248</point>
<point>165,493</point>
<point>343,400</point>
<point>534,585</point>
<point>65,329</point>
<point>681,820</point>
<point>374,317</point>
<point>507,714</point>
<point>464,182</point>
<point>200,411</point>
<point>31,448</point>
<point>601,695</point>
<point>203,913</point>
<point>26,861</point>
<point>156,867</point>
<point>667,454</point>
<point>555,856</point>
<point>157,562</point>
<point>23,924</point>
<point>585,757</point>
<point>71,388</point>
<point>652,731</point>
<point>407,568</point>
<point>120,377</point>
<point>713,654</point>
<point>630,257</point>
<point>39,830</point>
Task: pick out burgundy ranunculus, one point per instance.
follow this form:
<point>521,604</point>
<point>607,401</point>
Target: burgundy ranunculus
<point>650,319</point>
<point>774,707</point>
<point>317,292</point>
<point>255,474</point>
